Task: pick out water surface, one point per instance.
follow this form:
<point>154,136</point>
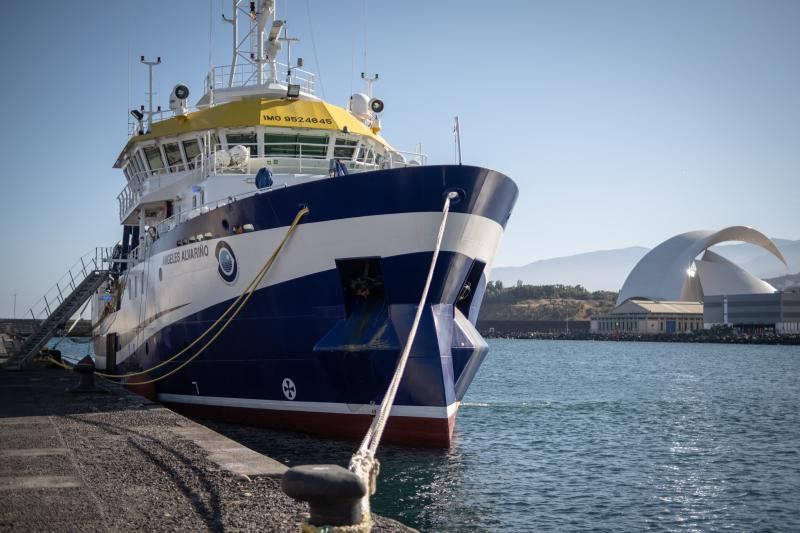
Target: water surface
<point>601,436</point>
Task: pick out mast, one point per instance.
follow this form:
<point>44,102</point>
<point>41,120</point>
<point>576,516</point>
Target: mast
<point>273,39</point>
<point>370,80</point>
<point>150,65</point>
<point>267,8</point>
<point>234,21</point>
<point>257,52</point>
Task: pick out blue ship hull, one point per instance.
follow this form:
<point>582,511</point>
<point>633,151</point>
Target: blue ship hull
<point>315,353</point>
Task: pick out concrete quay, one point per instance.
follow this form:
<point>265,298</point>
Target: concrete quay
<point>114,461</point>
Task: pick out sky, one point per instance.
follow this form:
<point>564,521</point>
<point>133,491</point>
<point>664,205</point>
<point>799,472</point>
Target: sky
<point>622,122</point>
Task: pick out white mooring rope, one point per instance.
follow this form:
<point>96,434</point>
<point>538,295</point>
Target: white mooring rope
<point>363,463</point>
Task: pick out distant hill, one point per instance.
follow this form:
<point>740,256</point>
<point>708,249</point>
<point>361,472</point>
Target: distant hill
<point>766,266</point>
<point>789,281</point>
<point>601,270</point>
<point>607,269</point>
<point>544,302</point>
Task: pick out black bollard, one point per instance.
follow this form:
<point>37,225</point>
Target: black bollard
<point>56,356</point>
<point>333,493</point>
<point>85,369</point>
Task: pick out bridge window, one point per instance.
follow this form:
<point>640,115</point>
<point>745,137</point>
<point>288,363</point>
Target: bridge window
<point>249,140</point>
<point>174,158</point>
<point>139,162</point>
<point>291,145</point>
<point>280,144</point>
<point>313,146</point>
<point>192,150</point>
<point>344,148</point>
<point>135,164</point>
<point>153,156</point>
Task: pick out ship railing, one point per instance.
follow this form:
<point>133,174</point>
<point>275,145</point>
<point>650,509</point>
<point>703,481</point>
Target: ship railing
<point>151,180</point>
<point>319,166</point>
<point>402,158</point>
<point>289,157</point>
<point>294,157</point>
<point>168,224</point>
<point>128,199</point>
<point>246,74</point>
<point>158,115</point>
<point>303,158</point>
<point>97,259</point>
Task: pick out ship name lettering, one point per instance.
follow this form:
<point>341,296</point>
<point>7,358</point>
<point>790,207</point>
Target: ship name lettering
<point>174,257</point>
<point>201,250</point>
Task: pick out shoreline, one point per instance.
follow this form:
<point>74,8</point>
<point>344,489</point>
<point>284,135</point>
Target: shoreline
<point>701,338</point>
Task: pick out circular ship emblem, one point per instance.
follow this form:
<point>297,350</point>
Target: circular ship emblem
<point>228,268</point>
<point>289,390</point>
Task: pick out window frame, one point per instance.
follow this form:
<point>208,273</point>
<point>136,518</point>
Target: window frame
<point>180,164</point>
<point>144,169</point>
<point>157,148</point>
<point>344,143</point>
<point>256,144</point>
<point>190,161</point>
<point>296,144</point>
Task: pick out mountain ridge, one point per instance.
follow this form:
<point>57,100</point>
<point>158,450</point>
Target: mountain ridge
<point>608,269</point>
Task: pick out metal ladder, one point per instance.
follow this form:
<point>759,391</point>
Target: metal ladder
<point>65,299</point>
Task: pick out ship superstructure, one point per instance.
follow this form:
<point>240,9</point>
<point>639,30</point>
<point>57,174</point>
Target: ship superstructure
<point>210,194</point>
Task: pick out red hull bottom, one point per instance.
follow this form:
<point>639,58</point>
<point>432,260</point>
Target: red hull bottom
<point>405,430</point>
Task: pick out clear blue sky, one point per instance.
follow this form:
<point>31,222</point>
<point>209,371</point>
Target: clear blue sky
<point>622,122</point>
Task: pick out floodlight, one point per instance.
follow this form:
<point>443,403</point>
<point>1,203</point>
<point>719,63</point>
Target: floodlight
<point>293,91</point>
<point>181,92</point>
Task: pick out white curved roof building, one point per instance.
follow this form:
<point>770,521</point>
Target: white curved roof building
<point>674,270</point>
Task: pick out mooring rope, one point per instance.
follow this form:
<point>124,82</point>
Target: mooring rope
<point>238,304</point>
<point>363,463</point>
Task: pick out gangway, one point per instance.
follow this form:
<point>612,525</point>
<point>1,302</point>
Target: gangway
<point>61,302</point>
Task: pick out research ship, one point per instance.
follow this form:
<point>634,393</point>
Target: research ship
<point>289,242</point>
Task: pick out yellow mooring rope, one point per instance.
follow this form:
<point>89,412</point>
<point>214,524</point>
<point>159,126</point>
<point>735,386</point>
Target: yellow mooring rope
<point>58,363</point>
<point>243,298</point>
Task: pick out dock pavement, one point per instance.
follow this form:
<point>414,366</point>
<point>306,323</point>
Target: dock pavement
<point>115,461</point>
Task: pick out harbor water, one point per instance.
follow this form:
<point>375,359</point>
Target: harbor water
<point>601,436</point>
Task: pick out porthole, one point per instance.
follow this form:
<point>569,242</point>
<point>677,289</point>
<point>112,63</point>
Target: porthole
<point>225,224</point>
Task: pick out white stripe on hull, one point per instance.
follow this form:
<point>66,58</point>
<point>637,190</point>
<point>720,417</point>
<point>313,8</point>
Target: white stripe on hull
<point>311,407</point>
<point>313,249</point>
